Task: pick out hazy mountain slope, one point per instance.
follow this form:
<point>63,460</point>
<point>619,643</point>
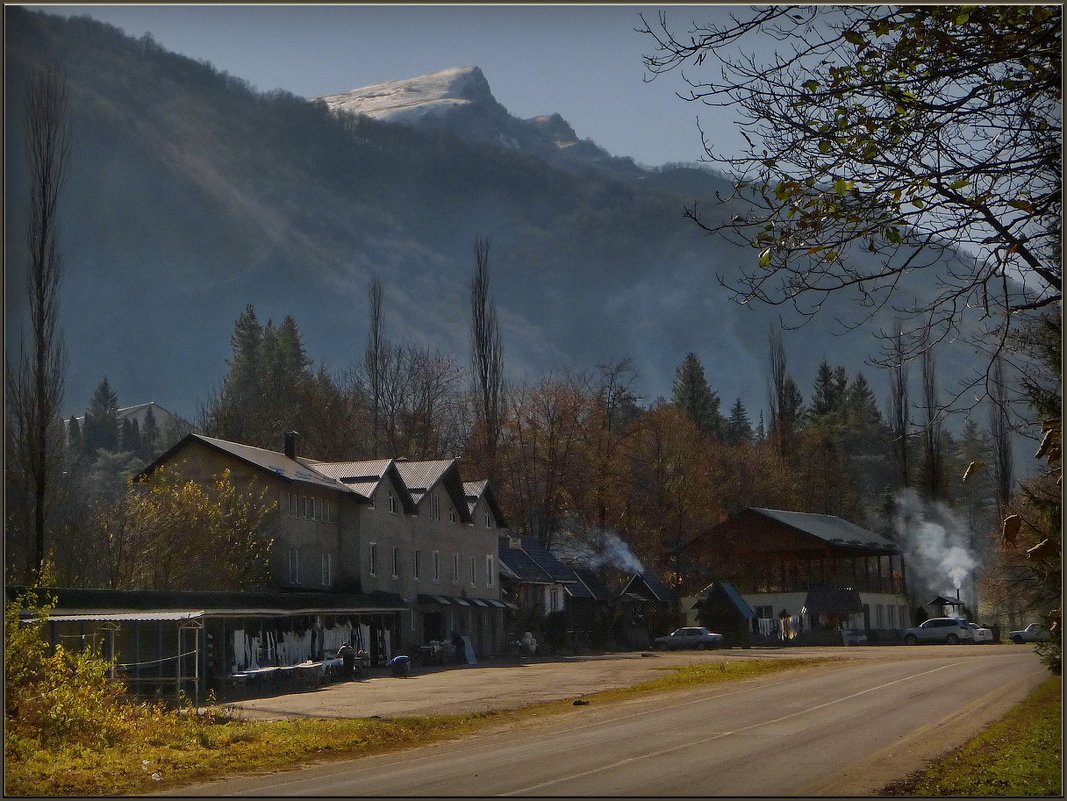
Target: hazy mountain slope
<point>191,196</point>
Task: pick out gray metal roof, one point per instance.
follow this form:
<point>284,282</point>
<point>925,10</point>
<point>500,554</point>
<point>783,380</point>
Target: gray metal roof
<point>421,476</point>
<point>274,462</point>
<point>830,529</point>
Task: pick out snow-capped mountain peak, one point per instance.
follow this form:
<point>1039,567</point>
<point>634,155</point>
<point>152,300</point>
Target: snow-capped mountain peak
<point>412,99</point>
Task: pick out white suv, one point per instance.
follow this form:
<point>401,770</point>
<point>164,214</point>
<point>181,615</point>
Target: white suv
<point>940,629</point>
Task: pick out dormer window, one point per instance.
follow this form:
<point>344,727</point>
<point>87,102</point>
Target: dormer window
<point>488,519</point>
<point>394,504</point>
<point>452,518</point>
<point>435,507</point>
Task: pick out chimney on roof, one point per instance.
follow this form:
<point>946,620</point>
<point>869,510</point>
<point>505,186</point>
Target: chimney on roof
<point>290,444</point>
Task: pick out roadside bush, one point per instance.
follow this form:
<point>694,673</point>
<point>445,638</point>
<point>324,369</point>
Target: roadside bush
<point>61,698</point>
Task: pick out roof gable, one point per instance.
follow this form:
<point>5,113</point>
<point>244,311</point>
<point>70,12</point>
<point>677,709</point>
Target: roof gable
<point>421,478</point>
<point>272,462</point>
<point>646,586</point>
<point>483,491</point>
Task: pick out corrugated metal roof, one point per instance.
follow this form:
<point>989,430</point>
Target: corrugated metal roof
<point>275,462</point>
<point>370,470</point>
<point>830,529</point>
<point>422,475</point>
<point>212,602</point>
<point>78,616</point>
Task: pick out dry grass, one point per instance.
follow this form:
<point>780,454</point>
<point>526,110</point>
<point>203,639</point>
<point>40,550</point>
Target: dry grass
<point>1020,755</point>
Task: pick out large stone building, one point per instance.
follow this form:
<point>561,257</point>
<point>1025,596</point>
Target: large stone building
<point>380,527</point>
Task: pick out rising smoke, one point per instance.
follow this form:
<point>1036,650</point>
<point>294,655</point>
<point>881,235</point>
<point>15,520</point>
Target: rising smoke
<point>937,544</point>
<point>604,549</point>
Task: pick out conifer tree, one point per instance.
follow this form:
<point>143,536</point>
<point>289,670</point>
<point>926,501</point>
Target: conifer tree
<point>738,427</point>
<point>149,435</point>
<point>101,420</point>
<point>694,396</point>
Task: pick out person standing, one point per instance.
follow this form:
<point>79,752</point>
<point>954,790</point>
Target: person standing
<point>348,661</point>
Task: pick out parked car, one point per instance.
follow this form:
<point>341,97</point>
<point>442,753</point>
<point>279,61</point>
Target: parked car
<point>689,637</point>
<point>940,629</point>
<point>1035,632</point>
<point>981,633</point>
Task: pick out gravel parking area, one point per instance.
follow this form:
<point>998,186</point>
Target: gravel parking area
<point>492,686</point>
<point>499,685</point>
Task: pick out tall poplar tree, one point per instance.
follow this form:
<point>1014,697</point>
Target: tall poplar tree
<point>35,382</point>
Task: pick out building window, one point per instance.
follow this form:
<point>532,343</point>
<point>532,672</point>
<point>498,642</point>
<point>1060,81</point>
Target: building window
<point>416,567</point>
<point>292,504</point>
<point>455,568</point>
<point>327,569</point>
<point>394,504</point>
<point>435,507</point>
<point>436,566</point>
<point>372,568</point>
<point>474,570</point>
<point>489,571</point>
<point>452,518</point>
<point>318,508</point>
<point>396,562</point>
<point>307,507</point>
<point>326,511</point>
<point>294,566</point>
<point>553,600</point>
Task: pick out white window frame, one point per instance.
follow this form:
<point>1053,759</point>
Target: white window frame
<point>327,569</point>
<point>372,559</point>
<point>489,570</point>
<point>394,504</point>
<point>435,506</point>
<point>488,519</point>
<point>452,516</point>
<point>436,567</point>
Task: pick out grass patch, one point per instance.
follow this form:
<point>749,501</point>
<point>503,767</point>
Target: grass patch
<point>1019,755</point>
<point>182,749</point>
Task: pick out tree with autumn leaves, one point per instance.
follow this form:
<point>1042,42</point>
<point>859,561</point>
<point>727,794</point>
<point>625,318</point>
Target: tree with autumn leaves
<point>181,532</point>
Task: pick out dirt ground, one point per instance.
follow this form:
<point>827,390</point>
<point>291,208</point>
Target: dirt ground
<point>492,686</point>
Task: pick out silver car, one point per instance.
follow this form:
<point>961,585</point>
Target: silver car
<point>981,633</point>
<point>1035,632</point>
<point>940,629</point>
<point>689,637</point>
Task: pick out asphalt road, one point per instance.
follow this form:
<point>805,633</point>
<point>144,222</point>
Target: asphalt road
<point>840,729</point>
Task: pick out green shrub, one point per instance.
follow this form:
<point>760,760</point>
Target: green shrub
<point>59,698</point>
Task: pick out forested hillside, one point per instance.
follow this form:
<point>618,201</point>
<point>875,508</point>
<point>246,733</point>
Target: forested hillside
<point>192,196</point>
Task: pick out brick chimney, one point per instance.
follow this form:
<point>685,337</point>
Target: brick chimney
<point>290,444</point>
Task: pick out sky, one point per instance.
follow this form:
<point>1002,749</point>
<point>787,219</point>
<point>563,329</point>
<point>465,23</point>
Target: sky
<point>581,61</point>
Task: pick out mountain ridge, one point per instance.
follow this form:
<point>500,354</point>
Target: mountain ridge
<point>192,195</point>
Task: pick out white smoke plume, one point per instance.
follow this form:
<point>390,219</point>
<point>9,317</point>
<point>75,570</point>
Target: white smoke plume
<point>605,549</point>
<point>935,542</point>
